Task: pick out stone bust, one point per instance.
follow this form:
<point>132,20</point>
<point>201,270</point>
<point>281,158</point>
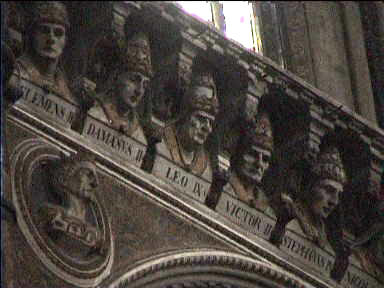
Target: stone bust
<point>316,208</point>
<point>73,182</point>
<point>250,161</point>
<point>184,141</point>
<point>45,39</point>
<point>126,88</point>
<point>322,189</point>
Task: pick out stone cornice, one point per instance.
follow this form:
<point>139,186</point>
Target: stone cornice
<point>257,63</point>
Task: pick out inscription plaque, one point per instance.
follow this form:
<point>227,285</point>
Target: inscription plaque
<point>113,143</point>
<point>46,105</point>
<point>261,225</point>
<point>192,185</point>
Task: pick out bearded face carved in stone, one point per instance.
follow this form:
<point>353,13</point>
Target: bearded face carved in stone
<point>250,160</point>
<point>326,194</point>
<point>49,40</point>
<point>198,127</point>
<point>130,88</point>
<point>254,163</point>
<point>199,124</point>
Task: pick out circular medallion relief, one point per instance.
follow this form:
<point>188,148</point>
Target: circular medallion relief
<point>60,213</point>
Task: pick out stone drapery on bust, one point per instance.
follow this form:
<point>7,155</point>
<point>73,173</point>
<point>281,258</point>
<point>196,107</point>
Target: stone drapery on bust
<point>318,197</point>
<point>46,37</point>
<point>184,141</point>
<point>249,162</point>
<point>73,182</point>
<point>321,195</point>
<point>126,88</point>
<point>315,202</point>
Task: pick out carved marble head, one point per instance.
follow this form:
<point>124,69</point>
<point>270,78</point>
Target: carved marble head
<point>48,24</point>
<point>137,57</point>
<point>131,80</point>
<point>199,107</point>
<point>254,149</point>
<point>201,94</point>
<point>327,186</point>
<point>75,175</point>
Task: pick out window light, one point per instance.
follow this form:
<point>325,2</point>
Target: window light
<point>201,9</point>
<point>238,22</point>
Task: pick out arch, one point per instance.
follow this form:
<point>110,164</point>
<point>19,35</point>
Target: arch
<point>206,268</point>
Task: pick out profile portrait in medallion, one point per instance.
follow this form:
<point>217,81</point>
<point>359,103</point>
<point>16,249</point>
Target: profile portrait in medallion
<point>45,40</point>
<point>61,211</point>
<point>73,183</point>
<point>249,162</point>
<point>126,87</point>
<point>185,140</point>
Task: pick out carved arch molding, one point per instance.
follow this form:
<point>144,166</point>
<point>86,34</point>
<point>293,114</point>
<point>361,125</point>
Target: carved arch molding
<point>206,269</point>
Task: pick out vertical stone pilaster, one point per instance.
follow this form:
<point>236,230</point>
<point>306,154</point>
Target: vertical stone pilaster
<point>329,57</point>
<point>271,42</point>
<point>298,54</point>
<point>357,60</point>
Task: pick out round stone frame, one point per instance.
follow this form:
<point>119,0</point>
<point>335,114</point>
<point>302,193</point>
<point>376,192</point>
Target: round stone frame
<point>199,268</point>
<point>26,157</point>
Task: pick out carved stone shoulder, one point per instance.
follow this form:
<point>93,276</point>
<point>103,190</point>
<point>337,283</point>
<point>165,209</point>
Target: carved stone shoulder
<point>230,189</point>
<point>170,146</point>
<point>234,188</point>
<point>58,86</point>
<point>98,112</point>
<point>315,234</point>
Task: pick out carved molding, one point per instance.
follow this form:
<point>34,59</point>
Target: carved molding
<point>192,263</point>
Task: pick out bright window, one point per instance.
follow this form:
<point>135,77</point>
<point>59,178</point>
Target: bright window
<point>238,22</point>
<point>200,9</point>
